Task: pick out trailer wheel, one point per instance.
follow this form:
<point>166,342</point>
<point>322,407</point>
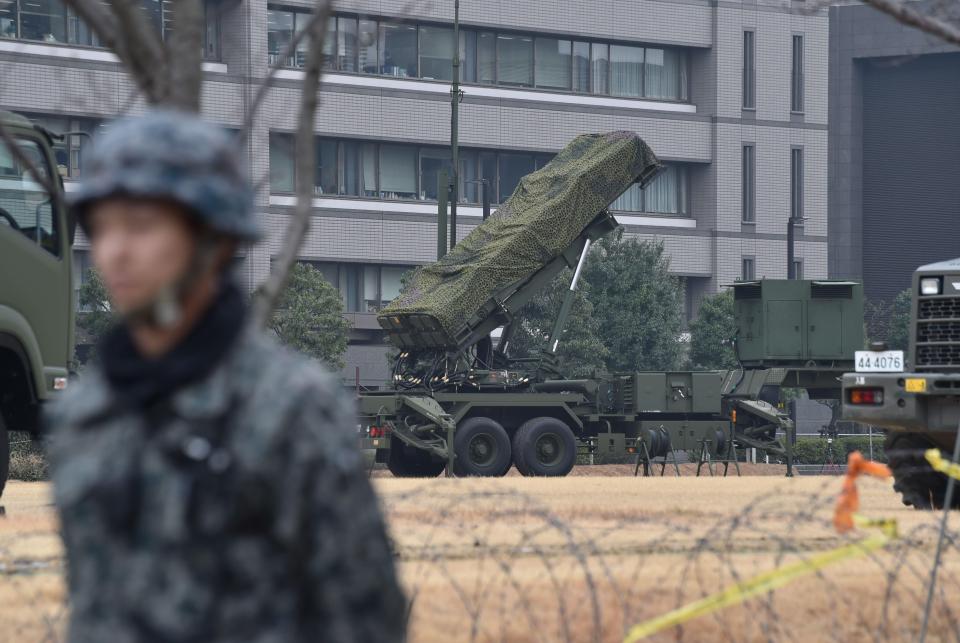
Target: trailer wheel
<point>4,455</point>
<point>482,447</point>
<point>405,462</point>
<point>544,446</point>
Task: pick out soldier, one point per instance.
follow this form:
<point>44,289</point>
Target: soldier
<point>207,480</point>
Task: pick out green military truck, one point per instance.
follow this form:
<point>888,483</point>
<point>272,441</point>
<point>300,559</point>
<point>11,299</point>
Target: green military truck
<point>36,298</point>
<point>461,400</point>
<point>917,398</point>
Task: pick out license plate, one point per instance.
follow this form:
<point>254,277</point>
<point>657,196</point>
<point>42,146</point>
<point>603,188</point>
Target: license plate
<point>879,361</point>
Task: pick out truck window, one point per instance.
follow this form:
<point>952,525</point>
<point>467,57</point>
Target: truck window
<point>24,205</point>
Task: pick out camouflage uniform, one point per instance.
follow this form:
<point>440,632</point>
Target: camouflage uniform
<point>235,507</point>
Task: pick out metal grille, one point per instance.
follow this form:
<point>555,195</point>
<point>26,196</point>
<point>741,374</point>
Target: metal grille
<point>940,308</point>
<point>938,333</point>
<point>938,356</point>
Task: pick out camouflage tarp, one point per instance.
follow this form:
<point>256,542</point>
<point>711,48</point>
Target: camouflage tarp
<point>546,213</point>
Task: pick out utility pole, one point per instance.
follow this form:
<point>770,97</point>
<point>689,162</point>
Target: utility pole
<point>455,96</point>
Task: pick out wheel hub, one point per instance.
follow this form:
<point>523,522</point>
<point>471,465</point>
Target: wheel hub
<point>548,449</point>
<point>482,449</point>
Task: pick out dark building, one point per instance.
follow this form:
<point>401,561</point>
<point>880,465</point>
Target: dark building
<point>894,150</point>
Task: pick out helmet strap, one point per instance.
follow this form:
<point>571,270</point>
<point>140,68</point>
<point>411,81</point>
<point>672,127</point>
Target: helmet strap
<point>166,309</point>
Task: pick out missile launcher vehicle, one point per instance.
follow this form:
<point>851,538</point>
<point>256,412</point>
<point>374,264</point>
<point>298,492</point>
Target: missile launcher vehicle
<point>460,401</point>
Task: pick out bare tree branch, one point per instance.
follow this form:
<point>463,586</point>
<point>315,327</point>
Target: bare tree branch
<point>907,14</point>
<point>299,223</point>
<point>184,51</point>
<point>124,30</point>
<point>267,82</point>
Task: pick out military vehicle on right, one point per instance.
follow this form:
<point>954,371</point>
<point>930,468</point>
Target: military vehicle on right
<point>917,399</point>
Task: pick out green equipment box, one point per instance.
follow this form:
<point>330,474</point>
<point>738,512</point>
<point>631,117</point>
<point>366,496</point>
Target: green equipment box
<point>797,322</point>
<point>674,392</point>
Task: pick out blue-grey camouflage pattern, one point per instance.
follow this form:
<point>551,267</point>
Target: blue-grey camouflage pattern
<point>176,156</point>
<point>270,534</point>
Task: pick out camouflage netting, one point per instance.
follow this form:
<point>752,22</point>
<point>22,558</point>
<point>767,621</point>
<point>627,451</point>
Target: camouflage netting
<point>546,213</point>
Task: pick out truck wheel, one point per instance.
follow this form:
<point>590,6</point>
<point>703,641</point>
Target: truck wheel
<point>406,462</point>
<point>4,455</point>
<point>482,447</point>
<point>544,446</point>
<point>917,483</point>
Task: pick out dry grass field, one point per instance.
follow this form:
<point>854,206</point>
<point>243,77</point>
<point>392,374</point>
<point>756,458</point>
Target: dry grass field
<point>583,558</point>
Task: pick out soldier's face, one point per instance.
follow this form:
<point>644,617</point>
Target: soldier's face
<point>139,247</point>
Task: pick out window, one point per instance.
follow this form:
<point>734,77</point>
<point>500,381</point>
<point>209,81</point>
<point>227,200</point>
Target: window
<point>53,22</point>
<point>513,166</point>
<point>44,20</point>
<point>748,195</point>
<point>796,85</point>
<point>748,271</point>
<point>396,171</point>
<point>346,50</point>
<point>431,162</point>
<point>664,74</point>
<point>436,53</point>
<point>327,161</point>
<point>367,46</point>
<point>25,205</point>
<point>468,56</point>
<point>626,71</point>
<point>364,288</point>
<point>581,67</point>
<point>796,183</point>
<point>398,50</point>
<point>666,194</point>
<point>749,73</point>
<point>600,68</point>
<point>487,58</point>
<point>553,63</point>
<point>68,152</point>
<point>279,36</point>
<point>411,50</point>
<point>514,60</point>
<point>281,163</point>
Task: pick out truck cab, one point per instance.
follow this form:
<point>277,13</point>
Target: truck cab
<point>917,401</point>
<point>36,299</point>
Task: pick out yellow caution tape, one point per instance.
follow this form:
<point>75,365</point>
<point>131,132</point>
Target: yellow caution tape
<point>941,464</point>
<point>767,581</point>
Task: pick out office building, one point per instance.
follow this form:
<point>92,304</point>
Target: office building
<point>731,95</point>
<point>894,150</point>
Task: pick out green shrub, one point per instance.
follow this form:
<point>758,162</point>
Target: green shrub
<point>813,450</point>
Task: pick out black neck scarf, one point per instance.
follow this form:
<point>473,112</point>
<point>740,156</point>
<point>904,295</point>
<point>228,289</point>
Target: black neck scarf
<point>141,382</point>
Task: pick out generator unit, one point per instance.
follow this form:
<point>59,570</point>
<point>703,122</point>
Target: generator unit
<point>784,322</point>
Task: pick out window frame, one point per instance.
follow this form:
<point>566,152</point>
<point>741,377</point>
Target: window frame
<point>796,75</point>
<point>796,183</point>
<point>748,183</point>
<point>745,261</point>
<point>683,68</point>
<point>749,86</point>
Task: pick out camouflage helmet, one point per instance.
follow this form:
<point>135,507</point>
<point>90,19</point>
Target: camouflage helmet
<point>176,156</point>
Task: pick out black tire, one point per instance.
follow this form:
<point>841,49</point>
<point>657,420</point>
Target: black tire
<point>4,455</point>
<point>407,462</point>
<point>482,447</point>
<point>544,446</point>
<point>915,480</point>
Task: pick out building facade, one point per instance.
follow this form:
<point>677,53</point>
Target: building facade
<point>894,150</point>
<point>731,95</point>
